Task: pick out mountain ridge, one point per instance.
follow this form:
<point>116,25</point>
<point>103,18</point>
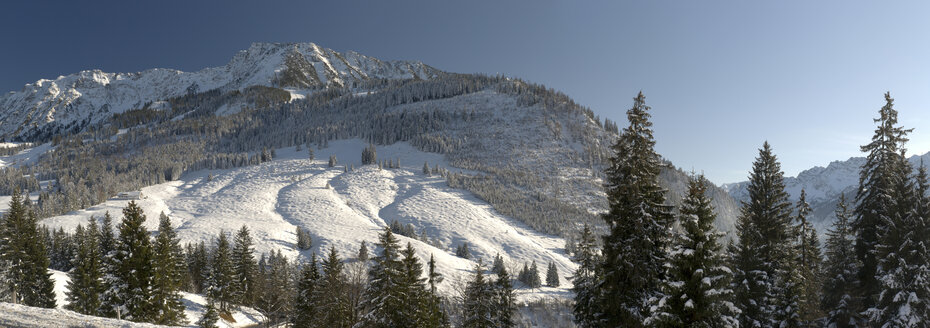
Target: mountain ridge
<point>72,102</point>
<point>822,185</point>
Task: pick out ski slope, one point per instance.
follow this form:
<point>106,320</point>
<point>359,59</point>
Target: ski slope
<point>341,209</point>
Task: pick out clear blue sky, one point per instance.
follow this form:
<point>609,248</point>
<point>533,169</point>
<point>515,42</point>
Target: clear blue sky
<point>722,77</point>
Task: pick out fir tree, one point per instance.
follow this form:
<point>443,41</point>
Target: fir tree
<point>902,250</point>
<point>333,308</point>
<point>479,304</point>
<point>369,155</point>
<point>86,276</point>
<point>462,251</point>
<point>304,241</point>
<point>762,259</point>
<point>433,276</point>
<point>552,275</point>
<point>382,305</point>
<point>222,285</point>
<point>169,269</point>
<point>638,222</point>
<point>362,252</point>
<point>809,264</point>
<point>584,280</point>
<point>197,263</point>
<point>876,197</point>
<point>60,249</point>
<point>841,266</point>
<point>505,301</point>
<point>433,314</point>
<point>426,169</point>
<point>417,308</point>
<point>23,248</point>
<point>532,277</point>
<point>244,268</point>
<point>498,264</point>
<point>107,241</point>
<point>275,296</point>
<point>129,277</point>
<point>210,317</point>
<point>305,309</point>
<point>695,291</point>
<point>332,161</point>
<point>309,153</point>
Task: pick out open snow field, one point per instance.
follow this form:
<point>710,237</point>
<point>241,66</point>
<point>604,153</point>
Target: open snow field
<point>342,209</point>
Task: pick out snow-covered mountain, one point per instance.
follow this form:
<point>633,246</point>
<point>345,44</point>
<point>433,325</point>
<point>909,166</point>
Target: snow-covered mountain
<point>71,103</point>
<point>521,165</point>
<point>823,185</point>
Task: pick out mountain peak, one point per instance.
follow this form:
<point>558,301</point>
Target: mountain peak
<point>73,102</point>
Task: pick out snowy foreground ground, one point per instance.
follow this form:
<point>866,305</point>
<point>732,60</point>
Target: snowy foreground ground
<point>341,209</point>
<point>23,316</point>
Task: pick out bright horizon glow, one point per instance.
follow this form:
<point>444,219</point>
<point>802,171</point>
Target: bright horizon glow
<point>721,76</point>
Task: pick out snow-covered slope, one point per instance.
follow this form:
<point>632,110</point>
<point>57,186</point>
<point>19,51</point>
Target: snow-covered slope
<point>22,316</point>
<point>12,315</point>
<point>342,209</point>
<point>76,100</point>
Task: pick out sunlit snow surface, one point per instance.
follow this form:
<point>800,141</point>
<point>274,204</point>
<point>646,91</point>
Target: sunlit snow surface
<point>23,316</point>
<point>341,209</point>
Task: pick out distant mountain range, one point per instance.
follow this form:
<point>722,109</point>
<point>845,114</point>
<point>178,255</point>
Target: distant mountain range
<point>823,185</point>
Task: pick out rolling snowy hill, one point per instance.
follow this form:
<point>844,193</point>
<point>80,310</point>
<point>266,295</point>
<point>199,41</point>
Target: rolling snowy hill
<point>342,209</point>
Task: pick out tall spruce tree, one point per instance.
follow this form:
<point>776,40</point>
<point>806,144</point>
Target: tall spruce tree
<point>763,257</point>
<point>532,277</point>
<point>382,304</point>
<point>275,296</point>
<point>169,270</point>
<point>222,287</point>
<point>244,268</point>
<point>877,197</point>
<point>23,248</point>
<point>107,240</point>
<point>638,221</point>
<point>479,308</point>
<point>810,264</point>
<point>841,266</point>
<point>305,309</point>
<point>552,275</point>
<point>695,291</point>
<point>198,260</point>
<point>333,307</point>
<point>584,280</point>
<point>129,277</point>
<point>902,250</point>
<point>419,307</point>
<point>86,276</point>
<point>505,302</point>
<point>434,315</point>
